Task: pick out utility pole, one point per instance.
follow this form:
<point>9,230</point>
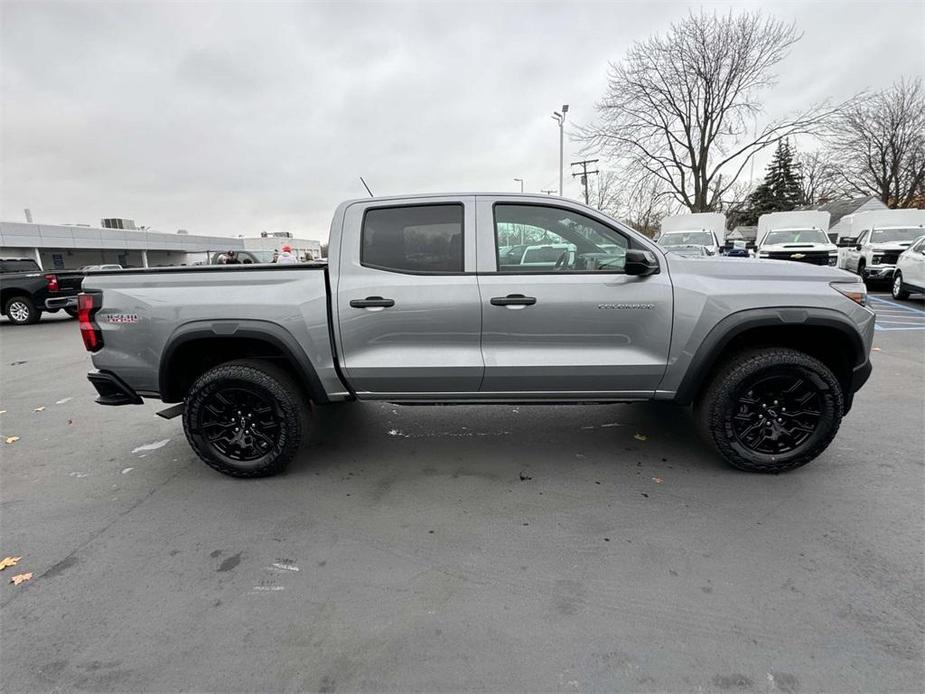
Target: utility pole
<point>548,192</point>
<point>521,181</point>
<point>584,174</point>
<point>560,119</point>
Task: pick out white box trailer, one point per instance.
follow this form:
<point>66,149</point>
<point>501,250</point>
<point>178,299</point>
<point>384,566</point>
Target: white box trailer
<point>706,229</point>
<point>800,235</point>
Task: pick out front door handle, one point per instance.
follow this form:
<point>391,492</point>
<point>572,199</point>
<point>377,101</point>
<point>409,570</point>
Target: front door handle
<point>372,302</point>
<point>513,300</point>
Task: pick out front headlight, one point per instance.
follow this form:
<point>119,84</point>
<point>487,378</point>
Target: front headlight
<point>875,259</point>
<point>833,258</point>
<point>854,290</point>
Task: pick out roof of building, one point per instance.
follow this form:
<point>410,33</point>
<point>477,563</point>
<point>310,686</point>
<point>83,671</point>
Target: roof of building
<point>840,208</point>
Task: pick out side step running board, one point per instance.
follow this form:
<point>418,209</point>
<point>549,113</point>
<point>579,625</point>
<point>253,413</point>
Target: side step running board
<point>173,411</point>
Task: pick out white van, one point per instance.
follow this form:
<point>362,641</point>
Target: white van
<point>799,235</point>
<point>707,229</point>
<point>879,238</point>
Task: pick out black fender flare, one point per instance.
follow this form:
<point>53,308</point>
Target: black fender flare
<point>733,325</point>
<point>266,331</point>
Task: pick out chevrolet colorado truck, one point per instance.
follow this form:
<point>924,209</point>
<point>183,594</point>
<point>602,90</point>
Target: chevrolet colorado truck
<point>416,305</point>
<point>26,290</point>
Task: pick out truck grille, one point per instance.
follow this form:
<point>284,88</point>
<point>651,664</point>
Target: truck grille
<point>814,257</point>
<point>889,258</point>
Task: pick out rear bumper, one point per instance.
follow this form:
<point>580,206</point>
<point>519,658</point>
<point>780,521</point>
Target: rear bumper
<point>60,302</point>
<point>112,389</point>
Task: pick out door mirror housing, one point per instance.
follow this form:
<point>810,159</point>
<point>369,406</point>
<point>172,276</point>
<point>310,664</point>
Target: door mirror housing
<point>857,247</point>
<point>640,262</point>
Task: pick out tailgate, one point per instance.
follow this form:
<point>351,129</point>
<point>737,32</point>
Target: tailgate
<point>69,282</point>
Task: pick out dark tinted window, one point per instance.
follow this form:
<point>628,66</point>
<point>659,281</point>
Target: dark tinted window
<point>19,266</point>
<point>414,239</point>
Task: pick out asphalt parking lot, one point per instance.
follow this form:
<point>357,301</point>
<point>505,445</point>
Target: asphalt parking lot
<point>586,548</point>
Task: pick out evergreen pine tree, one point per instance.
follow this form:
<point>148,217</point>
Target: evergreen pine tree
<point>780,191</point>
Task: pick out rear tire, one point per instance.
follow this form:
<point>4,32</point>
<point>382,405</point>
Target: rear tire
<point>744,410</point>
<point>21,311</point>
<point>246,418</point>
<point>898,291</point>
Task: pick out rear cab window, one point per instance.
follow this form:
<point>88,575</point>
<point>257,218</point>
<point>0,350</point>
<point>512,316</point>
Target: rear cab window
<point>413,239</point>
<point>24,265</point>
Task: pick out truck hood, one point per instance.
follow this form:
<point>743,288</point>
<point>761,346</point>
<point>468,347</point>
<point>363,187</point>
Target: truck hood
<point>758,269</point>
<point>890,246</point>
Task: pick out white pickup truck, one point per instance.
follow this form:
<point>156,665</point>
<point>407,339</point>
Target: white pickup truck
<point>798,235</point>
<point>701,229</point>
<point>880,236</point>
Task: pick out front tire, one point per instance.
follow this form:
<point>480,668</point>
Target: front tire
<point>246,418</point>
<point>898,291</point>
<point>21,311</point>
<point>771,410</point>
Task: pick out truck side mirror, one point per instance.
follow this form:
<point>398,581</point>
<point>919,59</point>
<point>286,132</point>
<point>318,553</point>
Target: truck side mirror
<point>639,262</point>
<point>857,247</point>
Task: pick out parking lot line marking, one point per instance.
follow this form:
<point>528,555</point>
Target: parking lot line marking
<point>908,309</point>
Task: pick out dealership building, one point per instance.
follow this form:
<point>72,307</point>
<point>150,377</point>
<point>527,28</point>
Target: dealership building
<point>117,241</point>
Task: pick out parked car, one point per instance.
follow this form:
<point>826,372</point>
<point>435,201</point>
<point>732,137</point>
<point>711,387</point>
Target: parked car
<point>104,266</point>
<point>799,236</point>
<point>909,277</point>
<point>26,290</point>
<point>707,229</point>
<point>414,308</point>
<point>880,237</point>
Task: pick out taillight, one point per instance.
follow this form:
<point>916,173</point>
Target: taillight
<point>52,282</point>
<point>87,306</point>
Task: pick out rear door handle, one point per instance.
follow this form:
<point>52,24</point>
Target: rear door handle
<point>513,300</point>
<point>372,302</point>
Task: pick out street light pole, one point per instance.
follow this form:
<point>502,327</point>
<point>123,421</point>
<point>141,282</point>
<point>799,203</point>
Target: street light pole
<point>521,184</point>
<point>560,119</point>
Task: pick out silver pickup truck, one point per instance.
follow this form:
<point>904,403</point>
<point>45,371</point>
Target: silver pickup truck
<point>417,304</point>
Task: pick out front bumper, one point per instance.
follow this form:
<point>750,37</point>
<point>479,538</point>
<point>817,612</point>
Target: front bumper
<point>879,272</point>
<point>112,389</point>
<point>59,302</point>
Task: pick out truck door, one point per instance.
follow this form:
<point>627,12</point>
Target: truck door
<point>855,252</point>
<point>574,325</point>
<point>408,314</point>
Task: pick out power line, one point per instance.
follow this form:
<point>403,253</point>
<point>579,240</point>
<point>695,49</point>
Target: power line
<point>584,174</point>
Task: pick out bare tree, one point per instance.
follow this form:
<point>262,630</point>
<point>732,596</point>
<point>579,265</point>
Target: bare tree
<point>680,109</point>
<point>819,179</point>
<point>879,142</point>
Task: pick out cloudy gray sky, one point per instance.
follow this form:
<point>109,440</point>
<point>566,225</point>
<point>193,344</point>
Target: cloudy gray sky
<point>232,118</point>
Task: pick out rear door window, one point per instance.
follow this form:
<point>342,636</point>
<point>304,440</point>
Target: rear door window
<point>415,239</point>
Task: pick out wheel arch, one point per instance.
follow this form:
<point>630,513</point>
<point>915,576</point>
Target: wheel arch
<point>196,347</point>
<point>822,333</point>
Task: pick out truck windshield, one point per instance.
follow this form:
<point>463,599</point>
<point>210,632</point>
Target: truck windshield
<point>795,236</point>
<point>897,234</point>
<point>686,238</point>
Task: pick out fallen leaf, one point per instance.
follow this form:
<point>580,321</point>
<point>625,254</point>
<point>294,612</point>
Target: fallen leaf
<point>20,578</point>
<point>8,561</point>
<point>70,421</point>
<point>2,411</point>
<point>12,439</point>
<point>657,480</point>
<point>63,400</point>
<point>640,437</point>
<point>128,469</point>
<point>524,477</point>
<point>39,409</point>
<point>876,349</point>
